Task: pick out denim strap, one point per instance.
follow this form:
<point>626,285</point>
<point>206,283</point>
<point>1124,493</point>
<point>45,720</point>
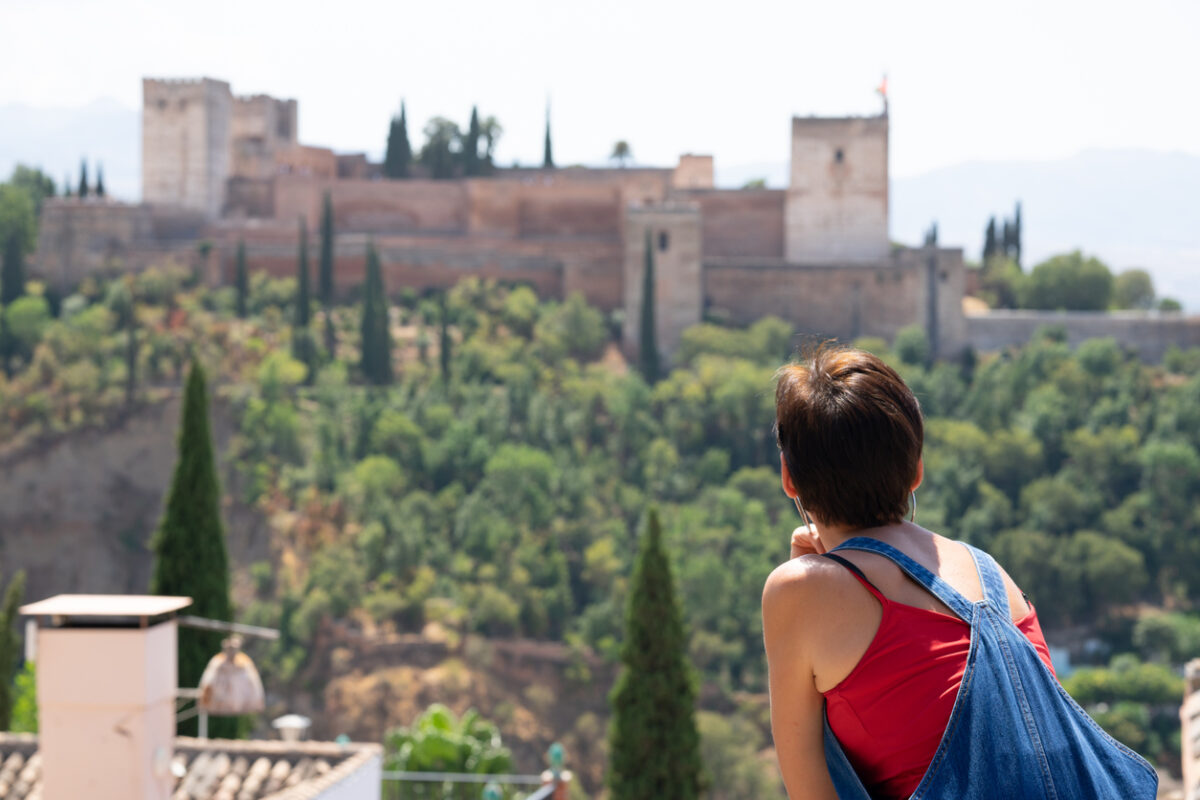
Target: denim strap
<point>936,586</point>
<point>992,581</point>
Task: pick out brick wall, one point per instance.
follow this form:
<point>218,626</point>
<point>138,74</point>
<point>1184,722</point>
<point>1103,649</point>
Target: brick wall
<point>741,223</point>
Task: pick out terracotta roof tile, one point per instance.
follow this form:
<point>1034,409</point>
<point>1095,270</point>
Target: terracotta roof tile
<point>214,769</point>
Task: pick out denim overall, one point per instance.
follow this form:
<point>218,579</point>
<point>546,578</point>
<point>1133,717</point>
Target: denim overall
<point>1014,732</point>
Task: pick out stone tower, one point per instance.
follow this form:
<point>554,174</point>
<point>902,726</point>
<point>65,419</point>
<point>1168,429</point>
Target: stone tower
<point>837,202</point>
<point>186,134</point>
<point>674,230</point>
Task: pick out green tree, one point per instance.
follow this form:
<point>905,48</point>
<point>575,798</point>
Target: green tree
<point>1133,288</point>
<point>441,137</point>
<point>547,152</point>
<point>621,153</point>
<point>25,708</point>
<point>83,179</point>
<point>989,241</point>
<point>397,160</point>
<point>471,162</point>
<point>10,646</point>
<point>12,271</point>
<point>376,360</point>
<point>491,130</point>
<point>190,558</point>
<point>647,333</point>
<point>302,343</point>
<point>325,280</point>
<point>1068,281</point>
<point>654,746</point>
<point>912,345</point>
<point>18,217</point>
<point>1015,255</point>
<point>100,180</point>
<point>241,280</point>
<point>37,184</point>
<point>444,343</point>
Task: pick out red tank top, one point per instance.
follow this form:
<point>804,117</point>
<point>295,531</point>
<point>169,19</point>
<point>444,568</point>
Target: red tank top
<point>890,712</point>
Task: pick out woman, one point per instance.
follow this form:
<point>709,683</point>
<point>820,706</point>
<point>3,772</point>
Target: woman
<point>905,664</point>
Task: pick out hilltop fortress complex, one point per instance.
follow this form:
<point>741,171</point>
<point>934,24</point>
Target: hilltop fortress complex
<point>227,169</point>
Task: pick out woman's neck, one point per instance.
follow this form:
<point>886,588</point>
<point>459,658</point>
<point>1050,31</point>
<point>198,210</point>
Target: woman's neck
<point>832,536</point>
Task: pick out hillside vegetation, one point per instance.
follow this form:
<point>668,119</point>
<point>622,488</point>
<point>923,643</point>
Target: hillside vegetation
<point>495,487</point>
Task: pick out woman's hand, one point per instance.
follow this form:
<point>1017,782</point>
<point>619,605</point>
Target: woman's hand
<point>806,541</point>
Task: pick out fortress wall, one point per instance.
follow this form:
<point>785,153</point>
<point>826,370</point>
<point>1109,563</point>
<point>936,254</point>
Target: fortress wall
<point>250,197</point>
<point>843,301</point>
<point>742,223</point>
<point>316,162</point>
<point>79,237</point>
<point>1149,333</point>
<point>393,206</point>
<point>566,210</point>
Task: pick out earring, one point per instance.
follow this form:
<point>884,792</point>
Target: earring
<point>913,517</point>
<point>804,514</point>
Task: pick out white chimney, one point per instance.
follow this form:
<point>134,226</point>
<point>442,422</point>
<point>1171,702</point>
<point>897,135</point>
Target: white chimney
<point>106,684</point>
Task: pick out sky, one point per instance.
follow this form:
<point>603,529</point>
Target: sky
<point>967,81</point>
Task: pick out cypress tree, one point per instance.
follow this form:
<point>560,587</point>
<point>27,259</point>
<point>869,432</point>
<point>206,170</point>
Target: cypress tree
<point>444,340</point>
<point>12,270</point>
<point>376,360</point>
<point>325,279</point>
<point>1006,242</point>
<point>302,345</point>
<point>189,546</point>
<point>83,181</point>
<point>1017,235</point>
<point>654,747</point>
<point>99,180</point>
<point>392,152</point>
<point>647,335</point>
<point>10,646</point>
<point>241,280</point>
<point>471,145</point>
<point>989,241</point>
<point>404,157</point>
<point>67,190</point>
<point>547,155</point>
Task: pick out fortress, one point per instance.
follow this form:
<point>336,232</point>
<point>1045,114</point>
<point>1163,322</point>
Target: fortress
<point>224,169</point>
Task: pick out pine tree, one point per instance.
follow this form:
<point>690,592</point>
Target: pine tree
<point>654,747</point>
<point>471,161</point>
<point>647,334</point>
<point>1017,235</point>
<point>189,546</point>
<point>325,279</point>
<point>12,270</point>
<point>100,180</point>
<point>83,180</point>
<point>989,241</point>
<point>376,360</point>
<point>241,281</point>
<point>302,344</point>
<point>547,155</point>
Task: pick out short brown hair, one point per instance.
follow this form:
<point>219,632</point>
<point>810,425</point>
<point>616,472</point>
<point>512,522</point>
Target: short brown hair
<point>851,434</point>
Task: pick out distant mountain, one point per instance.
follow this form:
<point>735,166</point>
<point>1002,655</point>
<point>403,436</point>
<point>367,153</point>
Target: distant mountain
<point>57,139</point>
<point>1132,208</point>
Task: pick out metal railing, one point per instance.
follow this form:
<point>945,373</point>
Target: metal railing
<point>401,785</point>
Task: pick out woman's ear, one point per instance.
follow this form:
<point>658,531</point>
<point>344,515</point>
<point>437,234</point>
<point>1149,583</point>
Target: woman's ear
<point>920,473</point>
<point>789,488</point>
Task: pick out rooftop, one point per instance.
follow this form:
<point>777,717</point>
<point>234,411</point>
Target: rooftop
<point>105,605</point>
<point>215,769</point>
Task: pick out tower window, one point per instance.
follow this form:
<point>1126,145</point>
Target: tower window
<point>838,156</point>
<point>663,241</point>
